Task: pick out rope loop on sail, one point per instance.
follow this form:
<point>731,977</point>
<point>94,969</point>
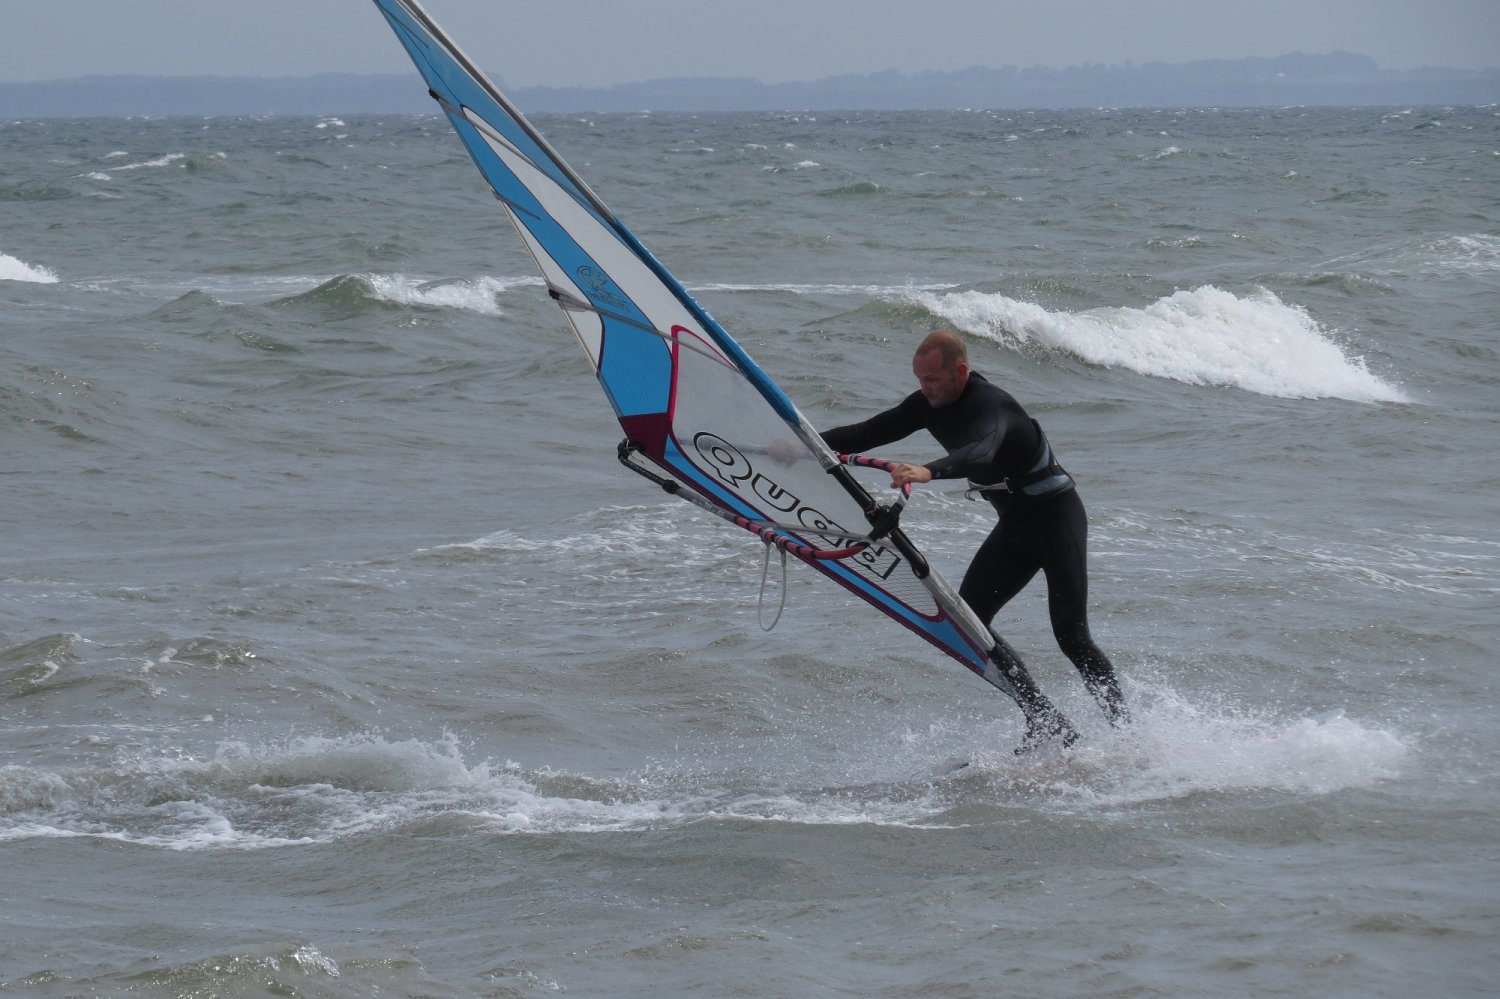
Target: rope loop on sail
<point>760,605</point>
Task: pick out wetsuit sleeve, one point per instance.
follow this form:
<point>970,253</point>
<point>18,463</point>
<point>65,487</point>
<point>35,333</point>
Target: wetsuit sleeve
<point>900,421</point>
<point>976,460</point>
<point>972,462</point>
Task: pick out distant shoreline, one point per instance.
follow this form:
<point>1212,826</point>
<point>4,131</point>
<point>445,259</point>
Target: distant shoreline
<point>1337,79</point>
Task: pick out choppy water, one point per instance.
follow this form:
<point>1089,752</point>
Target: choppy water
<point>339,658</point>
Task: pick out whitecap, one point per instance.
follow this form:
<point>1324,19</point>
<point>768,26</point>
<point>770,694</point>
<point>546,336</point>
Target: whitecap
<point>1202,336</point>
<point>160,161</point>
<point>479,295</point>
<point>12,269</point>
<point>1435,255</point>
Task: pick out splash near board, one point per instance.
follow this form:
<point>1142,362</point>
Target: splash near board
<point>701,419</point>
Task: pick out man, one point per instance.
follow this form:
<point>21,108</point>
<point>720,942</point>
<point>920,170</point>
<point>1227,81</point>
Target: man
<point>1002,452</point>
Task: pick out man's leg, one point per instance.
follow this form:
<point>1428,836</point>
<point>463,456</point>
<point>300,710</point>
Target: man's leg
<point>997,573</point>
<point>1065,564</point>
<point>1043,721</point>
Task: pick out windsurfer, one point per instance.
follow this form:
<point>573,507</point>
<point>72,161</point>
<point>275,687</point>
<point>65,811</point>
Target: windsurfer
<point>993,443</point>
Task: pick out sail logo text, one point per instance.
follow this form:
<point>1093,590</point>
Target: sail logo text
<point>739,474</point>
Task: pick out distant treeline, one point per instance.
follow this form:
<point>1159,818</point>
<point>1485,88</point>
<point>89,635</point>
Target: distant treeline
<point>1336,79</point>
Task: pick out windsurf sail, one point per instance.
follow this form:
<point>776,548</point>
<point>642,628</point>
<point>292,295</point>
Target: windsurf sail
<point>700,417</point>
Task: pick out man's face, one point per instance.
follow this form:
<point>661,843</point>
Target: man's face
<point>941,385</point>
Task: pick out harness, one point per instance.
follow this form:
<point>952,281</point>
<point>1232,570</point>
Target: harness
<point>1044,478</point>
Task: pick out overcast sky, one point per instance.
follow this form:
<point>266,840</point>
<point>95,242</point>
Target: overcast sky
<point>600,42</point>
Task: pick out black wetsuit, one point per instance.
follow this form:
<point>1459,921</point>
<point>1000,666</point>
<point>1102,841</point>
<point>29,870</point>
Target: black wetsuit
<point>992,442</point>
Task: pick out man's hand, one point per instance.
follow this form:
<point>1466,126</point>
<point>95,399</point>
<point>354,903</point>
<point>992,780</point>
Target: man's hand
<point>903,475</point>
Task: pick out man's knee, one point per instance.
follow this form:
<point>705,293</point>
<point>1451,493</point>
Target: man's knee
<point>1076,642</point>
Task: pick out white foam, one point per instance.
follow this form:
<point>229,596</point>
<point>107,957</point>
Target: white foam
<point>1472,253</point>
<point>310,959</point>
<point>1203,336</point>
<point>244,797</point>
<point>313,790</point>
<point>318,790</point>
<point>160,161</point>
<point>479,295</point>
<point>1176,748</point>
<point>12,269</point>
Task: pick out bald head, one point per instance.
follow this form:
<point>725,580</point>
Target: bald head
<point>950,347</point>
<point>941,365</point>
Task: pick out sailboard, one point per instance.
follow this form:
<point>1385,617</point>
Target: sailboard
<point>701,418</point>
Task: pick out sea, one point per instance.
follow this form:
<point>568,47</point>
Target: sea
<point>339,657</point>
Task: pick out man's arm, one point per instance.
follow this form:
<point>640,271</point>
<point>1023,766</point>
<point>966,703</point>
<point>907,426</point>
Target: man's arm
<point>971,462</point>
<point>902,420</point>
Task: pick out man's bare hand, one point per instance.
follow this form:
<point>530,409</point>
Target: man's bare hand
<point>904,475</point>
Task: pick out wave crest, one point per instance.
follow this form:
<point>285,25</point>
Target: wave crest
<point>12,269</point>
<point>356,292</point>
<point>1203,336</point>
